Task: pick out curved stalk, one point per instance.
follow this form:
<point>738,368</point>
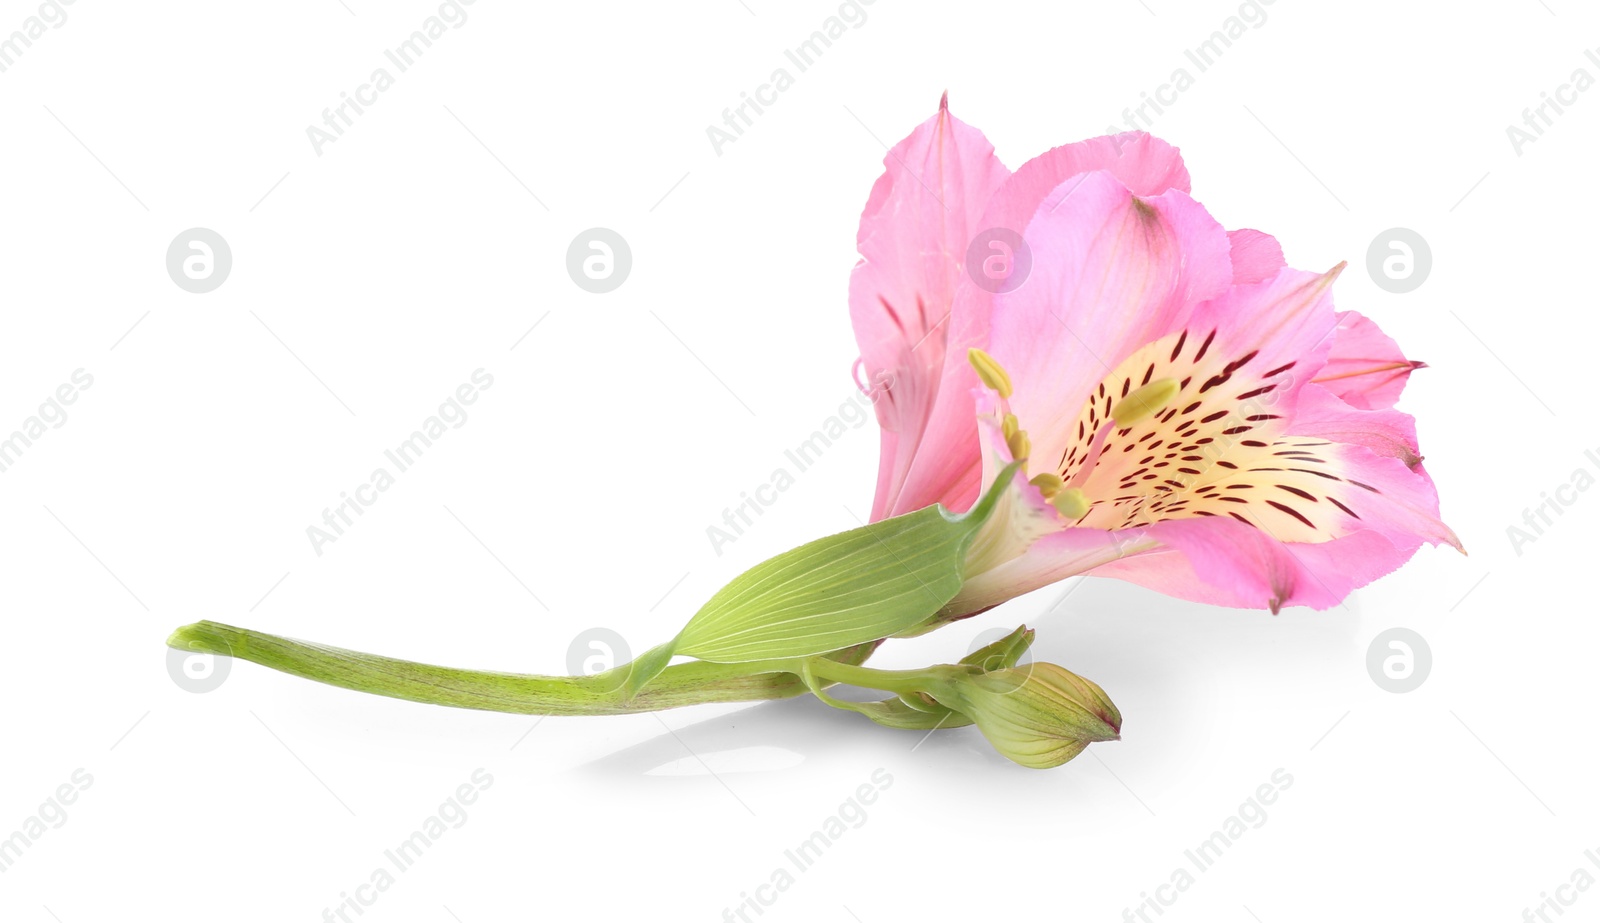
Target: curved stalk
<point>604,693</point>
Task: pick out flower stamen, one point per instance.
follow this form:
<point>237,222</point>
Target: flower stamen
<point>1144,402</point>
<point>989,372</point>
<point>1049,484</point>
<point>1072,503</point>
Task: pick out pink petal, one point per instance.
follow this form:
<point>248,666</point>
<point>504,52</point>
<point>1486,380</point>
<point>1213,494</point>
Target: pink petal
<point>1227,563</point>
<point>1286,318</point>
<point>1144,165</point>
<point>1318,412</point>
<point>1392,498</point>
<point>1051,558</point>
<point>1365,368</point>
<point>1256,256</point>
<point>1112,273</point>
<point>913,239</point>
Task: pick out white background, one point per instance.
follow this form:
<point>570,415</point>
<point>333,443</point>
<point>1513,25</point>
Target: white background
<point>369,281</point>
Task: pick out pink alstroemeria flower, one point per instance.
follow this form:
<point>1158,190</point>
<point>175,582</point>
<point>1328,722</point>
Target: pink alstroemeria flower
<point>1195,416</point>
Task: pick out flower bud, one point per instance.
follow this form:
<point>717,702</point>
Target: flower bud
<point>1039,716</point>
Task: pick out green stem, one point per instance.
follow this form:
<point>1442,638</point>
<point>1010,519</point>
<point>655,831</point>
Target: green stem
<point>900,682</point>
<point>605,693</point>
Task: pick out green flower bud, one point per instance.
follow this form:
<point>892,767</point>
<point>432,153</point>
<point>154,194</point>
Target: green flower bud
<point>1039,716</point>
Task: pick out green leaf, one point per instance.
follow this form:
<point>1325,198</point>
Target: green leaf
<point>646,667</point>
<point>857,586</point>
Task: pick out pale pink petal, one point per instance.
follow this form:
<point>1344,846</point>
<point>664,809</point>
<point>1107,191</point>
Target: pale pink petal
<point>1143,164</point>
<point>1317,412</point>
<point>1112,273</point>
<point>1391,497</point>
<point>1285,320</point>
<point>1365,368</point>
<point>913,239</point>
<point>1256,256</point>
<point>1051,558</point>
<point>1227,563</point>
